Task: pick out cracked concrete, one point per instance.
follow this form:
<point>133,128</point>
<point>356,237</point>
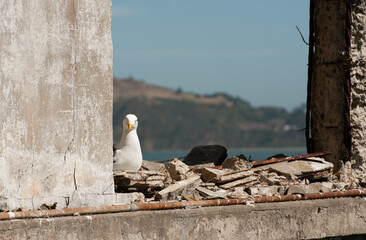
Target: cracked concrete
<point>358,94</point>
<point>56,100</point>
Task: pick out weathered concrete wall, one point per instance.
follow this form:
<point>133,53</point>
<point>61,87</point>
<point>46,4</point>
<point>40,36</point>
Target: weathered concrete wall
<point>56,103</point>
<point>358,83</point>
<point>287,220</point>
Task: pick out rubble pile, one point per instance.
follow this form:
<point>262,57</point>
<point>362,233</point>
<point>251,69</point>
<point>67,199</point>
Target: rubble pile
<point>235,178</point>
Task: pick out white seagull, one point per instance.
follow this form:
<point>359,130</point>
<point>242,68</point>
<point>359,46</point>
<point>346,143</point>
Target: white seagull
<point>127,153</point>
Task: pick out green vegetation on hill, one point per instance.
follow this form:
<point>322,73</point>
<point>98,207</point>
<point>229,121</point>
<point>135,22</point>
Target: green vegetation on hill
<point>169,122</point>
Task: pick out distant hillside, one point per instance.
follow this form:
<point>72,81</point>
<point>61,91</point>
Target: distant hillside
<point>170,119</point>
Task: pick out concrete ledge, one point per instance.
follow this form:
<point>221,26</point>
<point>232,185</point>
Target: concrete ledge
<point>312,219</point>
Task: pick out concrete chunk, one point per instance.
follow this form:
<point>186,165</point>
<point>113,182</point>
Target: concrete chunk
<point>311,188</point>
<point>177,169</point>
<point>239,182</point>
<point>273,179</point>
<point>140,180</point>
<point>208,194</point>
<point>198,168</point>
<point>235,163</point>
<point>152,166</point>
<point>295,189</point>
<point>128,198</point>
<point>212,174</point>
<point>224,175</point>
<point>316,168</point>
<point>267,191</point>
<point>238,192</point>
<point>174,190</point>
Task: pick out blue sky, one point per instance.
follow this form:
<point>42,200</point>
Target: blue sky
<point>249,49</point>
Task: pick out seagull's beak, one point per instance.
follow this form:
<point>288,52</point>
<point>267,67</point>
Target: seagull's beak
<point>129,126</point>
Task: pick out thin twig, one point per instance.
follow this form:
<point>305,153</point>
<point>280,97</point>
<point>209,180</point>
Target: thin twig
<point>303,39</point>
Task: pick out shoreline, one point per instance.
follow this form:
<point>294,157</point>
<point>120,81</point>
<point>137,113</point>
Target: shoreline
<point>233,149</point>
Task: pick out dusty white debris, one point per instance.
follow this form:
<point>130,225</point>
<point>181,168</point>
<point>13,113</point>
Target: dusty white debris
<point>239,182</point>
<point>211,182</point>
<point>144,181</point>
<point>237,192</point>
<point>224,175</point>
<point>235,163</point>
<point>273,178</point>
<point>175,189</point>
<point>268,191</point>
<point>177,169</point>
<point>198,168</point>
<point>208,194</point>
<point>152,166</point>
<point>128,198</point>
<point>310,188</point>
<point>315,169</point>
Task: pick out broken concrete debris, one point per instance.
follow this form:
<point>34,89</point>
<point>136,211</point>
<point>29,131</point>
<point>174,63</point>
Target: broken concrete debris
<point>177,169</point>
<point>142,181</point>
<point>312,168</point>
<point>236,163</point>
<point>175,189</point>
<point>239,182</point>
<point>224,175</point>
<point>267,191</point>
<point>235,179</point>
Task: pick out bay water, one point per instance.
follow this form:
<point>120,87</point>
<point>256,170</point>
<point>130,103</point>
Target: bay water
<point>256,154</point>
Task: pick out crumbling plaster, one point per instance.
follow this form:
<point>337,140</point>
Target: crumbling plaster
<point>358,84</point>
<point>56,103</point>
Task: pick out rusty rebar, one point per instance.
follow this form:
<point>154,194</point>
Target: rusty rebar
<point>172,205</point>
<point>296,157</point>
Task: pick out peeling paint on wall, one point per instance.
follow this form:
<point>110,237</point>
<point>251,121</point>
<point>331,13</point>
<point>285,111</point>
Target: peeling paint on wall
<point>56,101</point>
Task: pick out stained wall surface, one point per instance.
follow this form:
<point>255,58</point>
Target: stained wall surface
<point>328,97</point>
<point>56,103</point>
<point>358,92</point>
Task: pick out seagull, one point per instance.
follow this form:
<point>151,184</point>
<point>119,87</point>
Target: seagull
<point>127,153</point>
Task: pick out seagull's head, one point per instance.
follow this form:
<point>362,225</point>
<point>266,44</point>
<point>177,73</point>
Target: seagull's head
<point>130,122</point>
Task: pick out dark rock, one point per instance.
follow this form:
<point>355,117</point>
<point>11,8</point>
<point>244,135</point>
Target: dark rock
<point>206,154</point>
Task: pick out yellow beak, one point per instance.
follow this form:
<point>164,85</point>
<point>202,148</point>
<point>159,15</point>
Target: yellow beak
<point>129,126</point>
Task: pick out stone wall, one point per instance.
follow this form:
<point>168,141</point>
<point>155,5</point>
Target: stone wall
<point>358,83</point>
<point>56,103</point>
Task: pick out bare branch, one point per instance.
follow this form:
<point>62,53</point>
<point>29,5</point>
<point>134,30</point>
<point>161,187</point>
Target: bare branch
<point>301,35</point>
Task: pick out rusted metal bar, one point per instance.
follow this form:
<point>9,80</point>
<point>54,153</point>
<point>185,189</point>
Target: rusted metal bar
<point>64,212</point>
<point>296,157</point>
<point>172,205</point>
<point>309,196</point>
